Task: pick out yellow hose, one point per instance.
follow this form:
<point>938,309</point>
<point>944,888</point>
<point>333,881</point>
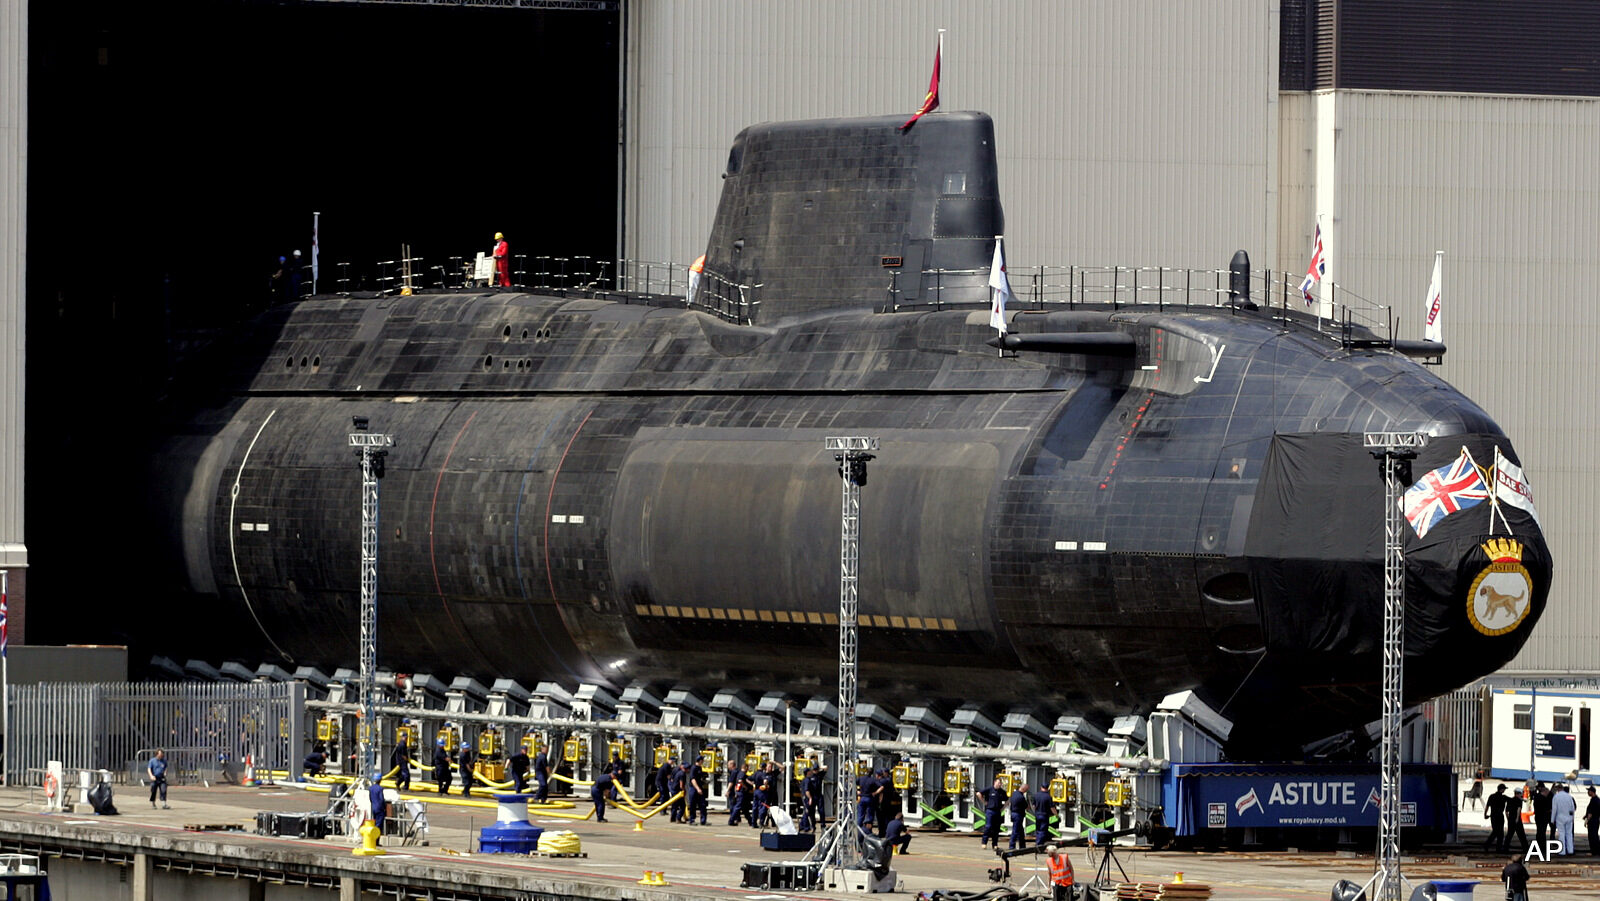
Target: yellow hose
<point>483,805</point>
<point>578,783</point>
<point>664,805</point>
<point>546,808</point>
<point>632,807</point>
<point>490,782</point>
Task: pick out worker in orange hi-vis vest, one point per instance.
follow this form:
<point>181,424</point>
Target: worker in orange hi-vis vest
<point>695,268</point>
<point>1060,874</point>
<point>502,261</point>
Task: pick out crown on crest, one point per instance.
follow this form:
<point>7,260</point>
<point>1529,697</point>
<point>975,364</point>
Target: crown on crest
<point>1502,550</point>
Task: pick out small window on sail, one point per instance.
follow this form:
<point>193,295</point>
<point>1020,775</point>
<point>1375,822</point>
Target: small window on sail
<point>955,183</point>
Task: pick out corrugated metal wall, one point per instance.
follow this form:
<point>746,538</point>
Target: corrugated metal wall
<point>13,231</point>
<point>1508,188</point>
<point>1129,132</point>
<point>1297,180</point>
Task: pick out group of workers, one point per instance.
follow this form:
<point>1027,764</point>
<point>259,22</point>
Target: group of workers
<point>290,280</point>
<point>752,795</point>
<point>1019,803</point>
<point>1554,812</point>
<point>400,760</point>
<point>878,809</point>
<point>996,803</point>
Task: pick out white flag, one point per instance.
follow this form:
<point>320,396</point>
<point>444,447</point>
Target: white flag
<point>1246,801</point>
<point>1511,486</point>
<point>999,288</point>
<point>1431,328</point>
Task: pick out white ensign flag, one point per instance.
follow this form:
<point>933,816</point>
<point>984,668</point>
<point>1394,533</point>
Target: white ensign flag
<point>1511,486</point>
<point>1432,330</point>
<point>999,288</point>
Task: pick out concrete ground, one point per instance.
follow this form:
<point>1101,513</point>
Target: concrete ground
<point>705,861</point>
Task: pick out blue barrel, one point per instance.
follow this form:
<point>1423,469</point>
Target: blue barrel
<point>509,838</point>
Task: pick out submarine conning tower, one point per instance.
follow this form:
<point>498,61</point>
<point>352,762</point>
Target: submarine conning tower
<point>830,213</point>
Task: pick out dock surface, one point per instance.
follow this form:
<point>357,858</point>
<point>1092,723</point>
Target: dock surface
<point>696,861</point>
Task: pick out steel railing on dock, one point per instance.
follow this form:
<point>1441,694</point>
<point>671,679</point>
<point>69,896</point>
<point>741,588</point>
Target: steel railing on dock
<point>205,728</point>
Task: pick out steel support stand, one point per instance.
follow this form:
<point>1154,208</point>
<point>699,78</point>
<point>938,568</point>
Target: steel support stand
<point>1392,449</point>
<point>370,450</point>
<point>839,847</point>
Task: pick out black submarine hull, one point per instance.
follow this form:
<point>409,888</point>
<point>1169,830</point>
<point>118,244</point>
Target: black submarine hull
<point>620,488</point>
<point>584,489</point>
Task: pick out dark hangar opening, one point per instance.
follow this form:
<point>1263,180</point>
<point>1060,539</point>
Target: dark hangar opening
<point>176,149</point>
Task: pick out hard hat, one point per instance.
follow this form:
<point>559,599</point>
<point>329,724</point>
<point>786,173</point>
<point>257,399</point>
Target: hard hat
<point>297,253</point>
<point>498,236</point>
<point>283,259</point>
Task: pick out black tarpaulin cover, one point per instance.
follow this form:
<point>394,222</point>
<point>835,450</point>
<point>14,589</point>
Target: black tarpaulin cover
<point>1315,547</point>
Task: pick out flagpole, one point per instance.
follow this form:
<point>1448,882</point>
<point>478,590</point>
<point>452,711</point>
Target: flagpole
<point>316,239</point>
<point>5,682</point>
<point>998,241</point>
<point>941,57</point>
<point>1322,306</point>
<point>1494,494</point>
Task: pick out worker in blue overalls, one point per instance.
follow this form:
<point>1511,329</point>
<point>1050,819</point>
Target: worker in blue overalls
<point>994,801</point>
<point>597,794</point>
<point>400,761</point>
<point>1019,817</point>
<point>736,798</point>
<point>1043,807</point>
<point>541,772</point>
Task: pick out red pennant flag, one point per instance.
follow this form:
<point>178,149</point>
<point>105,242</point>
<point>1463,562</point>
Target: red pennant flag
<point>930,102</point>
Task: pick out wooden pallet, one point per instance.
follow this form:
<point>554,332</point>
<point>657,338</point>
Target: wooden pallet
<point>212,827</point>
<point>559,854</point>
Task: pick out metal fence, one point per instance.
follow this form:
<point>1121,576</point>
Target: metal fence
<point>207,730</point>
<point>1456,721</point>
<point>1338,309</point>
<point>1056,287</point>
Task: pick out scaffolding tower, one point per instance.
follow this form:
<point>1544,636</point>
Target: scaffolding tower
<point>1394,450</point>
<point>839,847</point>
<point>370,449</point>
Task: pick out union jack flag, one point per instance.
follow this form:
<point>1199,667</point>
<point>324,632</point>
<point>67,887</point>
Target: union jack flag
<point>1373,800</point>
<point>1442,492</point>
<point>1317,269</point>
<point>5,626</point>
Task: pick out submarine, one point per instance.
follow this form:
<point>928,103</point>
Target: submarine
<point>1118,502</point>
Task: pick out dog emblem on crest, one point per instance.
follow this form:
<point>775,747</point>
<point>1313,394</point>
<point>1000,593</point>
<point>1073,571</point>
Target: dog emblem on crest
<point>1502,593</point>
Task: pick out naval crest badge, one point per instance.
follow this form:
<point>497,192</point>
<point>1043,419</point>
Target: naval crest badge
<point>1502,593</point>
